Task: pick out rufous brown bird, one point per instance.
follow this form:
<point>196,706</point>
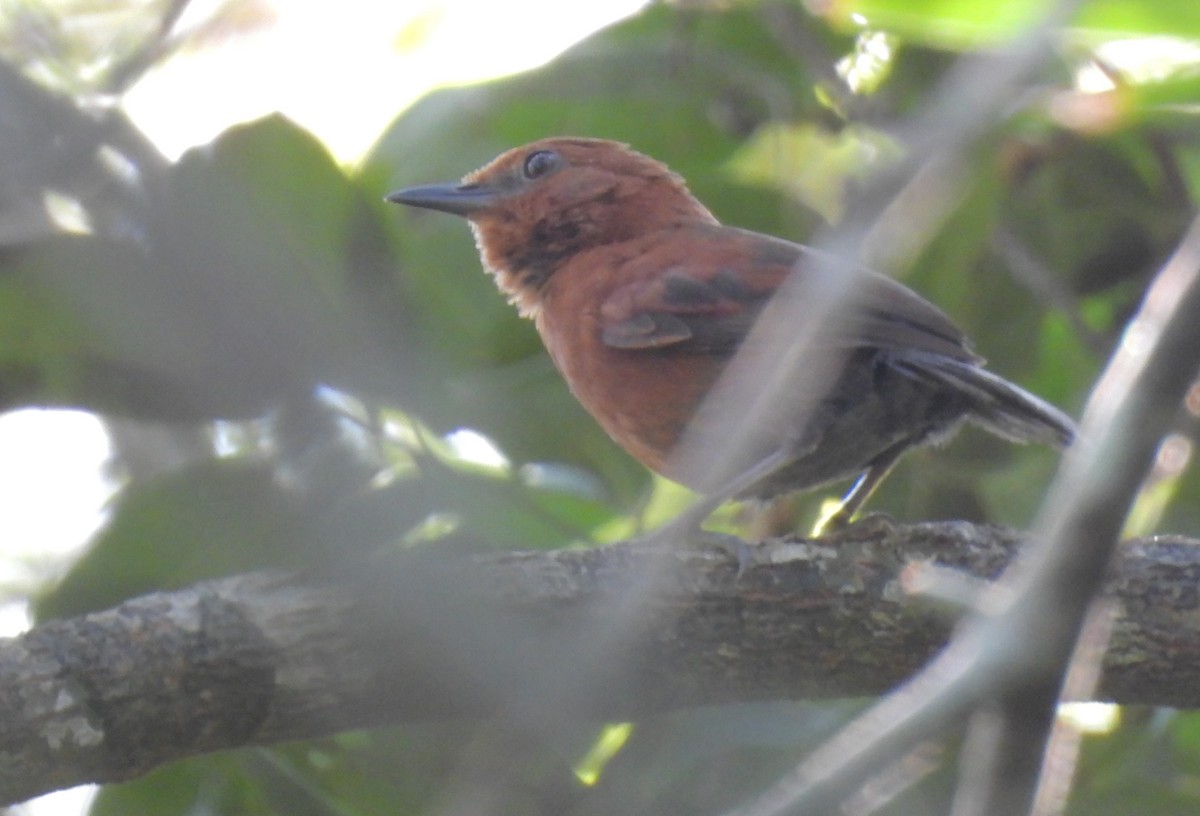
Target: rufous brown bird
<point>642,298</point>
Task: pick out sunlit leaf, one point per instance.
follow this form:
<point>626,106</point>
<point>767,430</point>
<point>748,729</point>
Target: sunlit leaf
<point>966,24</point>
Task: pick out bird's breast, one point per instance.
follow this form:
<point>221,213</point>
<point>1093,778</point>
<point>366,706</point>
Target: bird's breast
<point>643,398</point>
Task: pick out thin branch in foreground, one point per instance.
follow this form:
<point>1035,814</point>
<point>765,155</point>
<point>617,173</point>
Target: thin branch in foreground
<point>1016,651</point>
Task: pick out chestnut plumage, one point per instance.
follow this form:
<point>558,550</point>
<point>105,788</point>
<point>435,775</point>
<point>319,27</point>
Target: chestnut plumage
<point>641,298</point>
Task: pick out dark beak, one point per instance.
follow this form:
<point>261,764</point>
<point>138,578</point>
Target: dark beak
<point>457,199</point>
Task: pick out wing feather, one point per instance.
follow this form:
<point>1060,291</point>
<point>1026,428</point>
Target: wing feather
<point>708,301</point>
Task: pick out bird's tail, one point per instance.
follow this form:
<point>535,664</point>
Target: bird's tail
<point>999,406</point>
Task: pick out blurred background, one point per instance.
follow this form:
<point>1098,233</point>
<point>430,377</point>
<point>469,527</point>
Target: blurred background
<point>221,351</point>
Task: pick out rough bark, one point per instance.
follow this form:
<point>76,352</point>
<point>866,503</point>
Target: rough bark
<point>265,657</point>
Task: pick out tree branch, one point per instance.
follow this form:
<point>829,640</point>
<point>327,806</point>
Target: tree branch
<point>267,657</point>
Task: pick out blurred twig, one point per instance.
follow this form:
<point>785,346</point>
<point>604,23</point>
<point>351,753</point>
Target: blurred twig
<point>151,50</point>
<point>1007,663</point>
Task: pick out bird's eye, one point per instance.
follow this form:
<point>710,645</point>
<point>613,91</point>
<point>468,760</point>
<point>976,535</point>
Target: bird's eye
<point>539,163</point>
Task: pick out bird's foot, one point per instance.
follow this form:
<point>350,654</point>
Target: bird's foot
<point>685,531</point>
<point>871,525</point>
<point>745,553</point>
<point>838,520</point>
<point>834,518</point>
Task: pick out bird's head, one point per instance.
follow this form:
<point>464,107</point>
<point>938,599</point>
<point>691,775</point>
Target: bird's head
<point>536,206</point>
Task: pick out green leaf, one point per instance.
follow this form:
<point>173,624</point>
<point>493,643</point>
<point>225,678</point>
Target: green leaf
<point>211,519</point>
<point>967,24</point>
<point>261,275</point>
<point>266,231</point>
<point>533,516</point>
<point>215,784</point>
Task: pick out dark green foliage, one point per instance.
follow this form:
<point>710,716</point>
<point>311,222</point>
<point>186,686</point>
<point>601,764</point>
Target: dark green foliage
<point>244,282</point>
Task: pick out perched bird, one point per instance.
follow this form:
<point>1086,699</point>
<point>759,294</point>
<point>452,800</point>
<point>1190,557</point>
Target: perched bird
<point>642,297</point>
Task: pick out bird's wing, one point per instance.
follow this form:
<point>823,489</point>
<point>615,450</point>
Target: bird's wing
<point>703,296</point>
<point>686,309</point>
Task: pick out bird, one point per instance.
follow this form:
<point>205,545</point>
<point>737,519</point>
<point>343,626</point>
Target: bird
<point>642,298</point>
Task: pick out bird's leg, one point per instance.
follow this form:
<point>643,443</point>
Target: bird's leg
<point>856,497</point>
